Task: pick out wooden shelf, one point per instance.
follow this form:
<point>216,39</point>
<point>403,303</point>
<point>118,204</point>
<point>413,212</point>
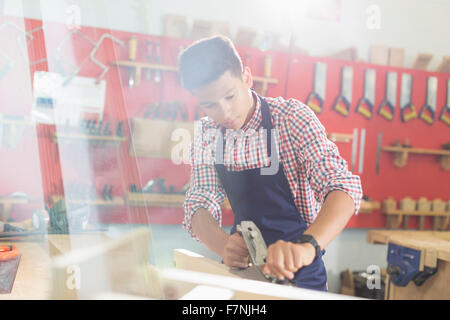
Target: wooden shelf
<point>138,66</point>
<point>81,136</point>
<point>18,122</point>
<point>12,200</point>
<point>369,206</point>
<point>142,65</point>
<point>340,137</point>
<point>6,205</point>
<point>422,208</point>
<point>161,200</point>
<point>401,155</point>
<point>116,201</point>
<point>415,213</point>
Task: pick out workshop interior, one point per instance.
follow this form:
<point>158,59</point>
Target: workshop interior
<point>95,127</point>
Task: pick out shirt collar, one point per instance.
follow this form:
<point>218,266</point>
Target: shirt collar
<point>255,120</point>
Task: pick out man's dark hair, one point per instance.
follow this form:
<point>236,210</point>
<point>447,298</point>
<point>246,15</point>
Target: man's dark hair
<point>206,60</point>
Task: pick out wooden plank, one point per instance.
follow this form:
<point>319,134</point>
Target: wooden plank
<point>175,26</point>
<point>422,61</point>
<point>382,236</point>
<point>118,265</point>
<point>396,57</point>
<point>116,201</point>
<point>416,213</point>
<point>379,55</point>
<point>177,283</point>
<point>445,65</point>
<point>188,260</point>
<point>340,137</point>
<point>161,200</point>
<point>128,64</point>
<point>78,136</point>
<point>349,54</point>
<point>416,150</point>
<point>60,244</point>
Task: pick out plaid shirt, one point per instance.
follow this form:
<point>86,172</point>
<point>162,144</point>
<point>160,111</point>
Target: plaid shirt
<point>312,164</point>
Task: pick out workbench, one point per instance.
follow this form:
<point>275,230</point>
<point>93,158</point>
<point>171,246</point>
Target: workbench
<point>433,251</point>
<point>33,278</point>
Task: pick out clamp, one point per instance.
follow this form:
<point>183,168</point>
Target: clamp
<point>404,266</point>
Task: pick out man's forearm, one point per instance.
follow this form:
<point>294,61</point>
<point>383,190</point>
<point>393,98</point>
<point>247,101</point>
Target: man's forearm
<point>208,231</point>
<point>336,211</point>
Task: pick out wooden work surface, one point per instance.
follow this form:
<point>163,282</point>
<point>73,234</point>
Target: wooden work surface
<point>33,278</point>
<point>435,248</point>
<point>436,241</point>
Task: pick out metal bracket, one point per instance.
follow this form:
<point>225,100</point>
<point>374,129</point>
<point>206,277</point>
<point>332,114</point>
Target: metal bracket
<point>97,46</point>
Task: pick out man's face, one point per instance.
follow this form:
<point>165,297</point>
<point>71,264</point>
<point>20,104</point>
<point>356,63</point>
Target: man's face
<point>228,100</point>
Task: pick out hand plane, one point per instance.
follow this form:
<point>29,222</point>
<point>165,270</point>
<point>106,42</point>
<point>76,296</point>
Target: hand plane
<point>257,249</point>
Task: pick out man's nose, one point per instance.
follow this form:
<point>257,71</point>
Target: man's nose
<point>226,109</point>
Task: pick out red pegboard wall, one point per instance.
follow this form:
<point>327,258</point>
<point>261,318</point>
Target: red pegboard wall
<point>422,176</point>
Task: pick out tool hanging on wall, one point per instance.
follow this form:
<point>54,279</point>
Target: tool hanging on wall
<point>58,54</point>
<point>119,132</point>
<point>445,112</point>
<point>23,34</point>
<point>27,35</point>
<point>365,105</point>
<point>157,77</point>
<point>407,109</point>
<point>361,151</point>
<point>344,100</point>
<point>354,149</point>
<point>428,110</point>
<point>132,49</point>
<point>316,98</point>
<point>387,107</point>
<point>9,65</point>
<point>173,109</point>
<point>97,46</point>
<point>377,164</point>
<point>148,54</point>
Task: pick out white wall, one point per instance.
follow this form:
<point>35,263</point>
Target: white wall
<point>416,25</point>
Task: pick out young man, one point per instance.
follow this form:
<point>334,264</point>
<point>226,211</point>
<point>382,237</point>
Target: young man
<point>299,207</point>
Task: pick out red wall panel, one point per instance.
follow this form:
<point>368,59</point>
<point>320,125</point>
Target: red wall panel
<point>422,176</point>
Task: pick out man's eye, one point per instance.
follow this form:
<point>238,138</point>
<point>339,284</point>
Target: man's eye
<point>230,97</point>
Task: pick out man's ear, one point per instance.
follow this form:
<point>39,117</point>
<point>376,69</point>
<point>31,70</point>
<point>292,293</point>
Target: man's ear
<point>247,77</point>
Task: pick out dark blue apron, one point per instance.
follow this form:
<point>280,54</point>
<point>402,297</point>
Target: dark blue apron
<point>267,200</point>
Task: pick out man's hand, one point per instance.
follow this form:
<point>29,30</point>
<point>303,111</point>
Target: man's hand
<point>235,252</point>
<point>285,258</point>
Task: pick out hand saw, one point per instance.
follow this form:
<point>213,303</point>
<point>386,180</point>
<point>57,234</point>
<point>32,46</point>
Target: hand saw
<point>365,105</point>
<point>387,107</point>
<point>429,108</point>
<point>257,249</point>
<point>317,96</point>
<point>445,112</point>
<point>344,100</point>
<point>407,109</point>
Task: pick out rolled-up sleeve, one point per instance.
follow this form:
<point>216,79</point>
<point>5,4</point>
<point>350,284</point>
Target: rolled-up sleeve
<point>319,157</point>
<point>205,190</point>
